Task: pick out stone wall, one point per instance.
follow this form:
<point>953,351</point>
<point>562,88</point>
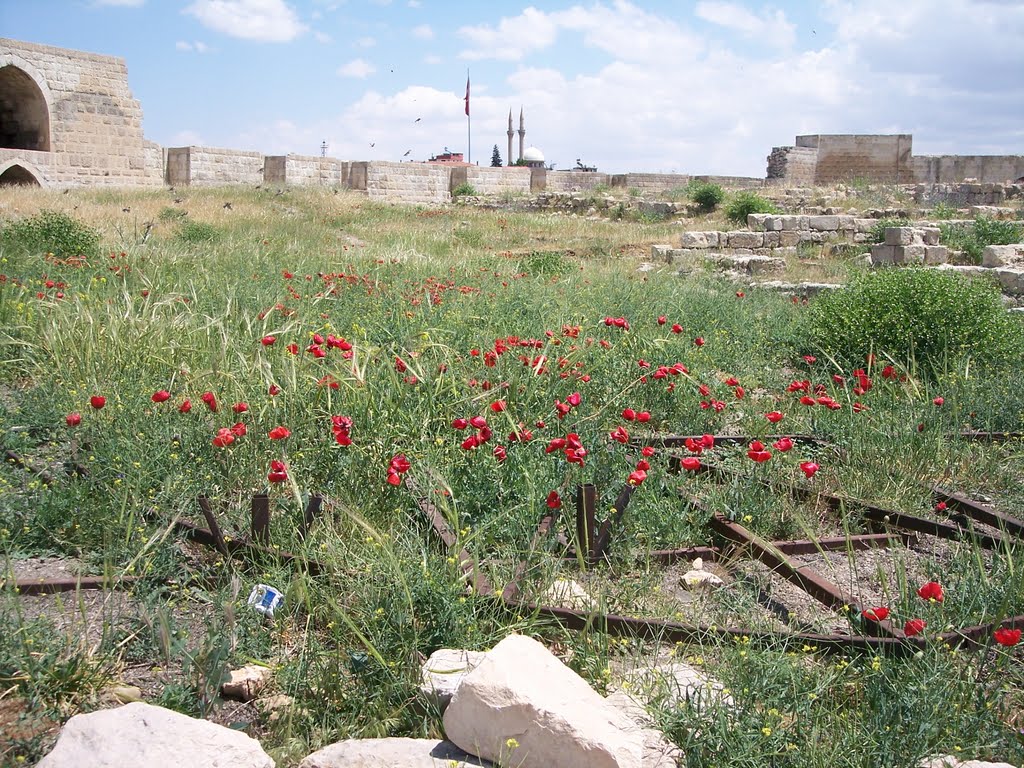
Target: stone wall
<point>792,166</point>
<point>305,170</point>
<point>76,107</point>
<point>210,166</point>
<point>408,182</point>
<point>938,169</point>
<point>845,157</point>
<point>651,182</point>
<point>575,181</point>
<point>492,181</point>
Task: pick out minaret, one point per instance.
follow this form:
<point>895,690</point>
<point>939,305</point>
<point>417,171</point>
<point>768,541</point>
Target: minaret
<point>522,132</point>
<point>508,157</point>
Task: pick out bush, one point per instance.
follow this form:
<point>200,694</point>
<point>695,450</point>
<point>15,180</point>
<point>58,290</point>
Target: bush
<point>53,232</point>
<point>972,238</point>
<point>744,203</point>
<point>197,232</point>
<point>465,189</point>
<point>917,315</point>
<point>708,196</point>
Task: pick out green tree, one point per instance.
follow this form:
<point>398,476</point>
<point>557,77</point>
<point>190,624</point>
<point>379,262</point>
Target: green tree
<point>495,157</point>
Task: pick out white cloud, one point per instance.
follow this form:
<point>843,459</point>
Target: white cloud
<point>197,46</point>
<point>771,27</point>
<point>264,20</point>
<point>513,38</point>
<point>432,59</point>
<point>423,32</point>
<point>321,37</point>
<point>366,42</point>
<point>357,68</point>
<point>122,3</point>
<point>414,4</point>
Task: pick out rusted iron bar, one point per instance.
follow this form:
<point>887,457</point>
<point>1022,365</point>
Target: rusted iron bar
<point>52,586</point>
<point>670,556</point>
<point>586,521</point>
<point>261,518</point>
<point>211,522</point>
<point>310,515</point>
<point>978,511</point>
<point>468,566</point>
<point>513,589</point>
<point>810,581</point>
<point>856,543</point>
<point>618,510</point>
<point>18,461</point>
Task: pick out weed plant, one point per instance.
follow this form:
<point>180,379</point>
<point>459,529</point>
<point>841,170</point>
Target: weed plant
<point>974,237</point>
<point>742,204</point>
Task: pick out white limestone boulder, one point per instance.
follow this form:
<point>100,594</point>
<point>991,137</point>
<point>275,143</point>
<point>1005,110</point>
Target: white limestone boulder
<point>391,753</point>
<point>566,593</point>
<point>521,706</point>
<point>1003,255</point>
<point>140,734</point>
<point>948,761</point>
<point>246,683</point>
<point>444,672</point>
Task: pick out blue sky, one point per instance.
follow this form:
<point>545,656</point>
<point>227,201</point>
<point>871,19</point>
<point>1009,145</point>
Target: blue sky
<point>708,86</point>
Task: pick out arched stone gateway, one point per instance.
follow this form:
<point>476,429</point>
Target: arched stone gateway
<point>24,113</point>
<point>17,175</point>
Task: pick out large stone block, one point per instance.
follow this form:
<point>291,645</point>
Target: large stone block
<point>909,254</point>
<point>140,734</point>
<point>930,235</point>
<point>883,254</point>
<point>1003,255</point>
<point>523,707</point>
<point>698,240</point>
<point>823,223</point>
<point>789,238</point>
<point>936,254</point>
<point>745,239</point>
<point>391,753</point>
<point>1011,281</point>
<point>760,222</point>
<point>899,235</point>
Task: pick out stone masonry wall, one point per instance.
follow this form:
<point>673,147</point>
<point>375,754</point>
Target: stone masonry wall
<point>306,170</point>
<point>407,182</point>
<point>938,169</point>
<point>651,182</point>
<point>792,166</point>
<point>576,181</point>
<point>209,166</point>
<point>495,181</point>
<point>847,157</point>
<point>95,125</point>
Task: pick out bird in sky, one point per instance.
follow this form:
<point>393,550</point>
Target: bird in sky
<point>372,144</point>
<point>417,119</point>
<point>407,153</point>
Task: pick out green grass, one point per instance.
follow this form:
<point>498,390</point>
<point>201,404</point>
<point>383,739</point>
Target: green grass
<point>447,313</point>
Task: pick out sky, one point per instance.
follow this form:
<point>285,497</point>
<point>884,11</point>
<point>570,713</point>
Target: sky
<point>672,86</point>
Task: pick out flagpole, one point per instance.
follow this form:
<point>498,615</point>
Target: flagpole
<point>469,125</point>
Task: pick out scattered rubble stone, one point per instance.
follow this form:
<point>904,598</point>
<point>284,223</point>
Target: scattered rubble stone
<point>391,753</point>
<point>444,671</point>
<point>245,684</point>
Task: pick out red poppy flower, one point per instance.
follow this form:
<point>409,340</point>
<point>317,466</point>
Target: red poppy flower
<point>210,400</point>
<point>239,430</point>
<point>97,401</point>
<point>460,423</point>
<point>739,392</point>
<point>758,453</point>
<point>498,406</point>
<point>478,422</point>
<point>691,463</point>
<point>500,453</point>
<point>629,414</point>
<point>185,406</point>
<point>808,400</point>
<point>268,341</point>
<point>620,435</point>
<point>932,590</point>
<point>809,468</point>
<point>699,341</point>
<point>160,396</point>
<point>938,401</point>
<point>662,320</point>
<point>881,613</point>
<point>274,390</point>
<point>470,443</point>
<point>636,477</point>
<point>279,433</point>
<point>889,372</point>
<point>554,501</point>
<point>400,365</point>
<point>810,359</point>
<point>643,417</point>
<point>224,438</point>
<point>293,348</point>
<point>775,416</point>
<point>740,294</point>
<point>73,419</point>
<point>783,444</point>
<point>647,451</point>
<point>240,407</point>
<point>677,328</point>
<point>940,507</point>
<point>574,399</point>
<point>1007,637</point>
<point>914,627</point>
<point>278,472</point>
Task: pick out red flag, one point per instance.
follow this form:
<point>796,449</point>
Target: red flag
<point>467,95</point>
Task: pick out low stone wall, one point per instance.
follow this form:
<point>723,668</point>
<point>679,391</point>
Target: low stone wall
<point>965,194</point>
<point>575,181</point>
<point>212,165</point>
<point>305,170</point>
<point>492,181</point>
<point>792,166</point>
<point>407,182</point>
<point>984,168</point>
<point>651,182</point>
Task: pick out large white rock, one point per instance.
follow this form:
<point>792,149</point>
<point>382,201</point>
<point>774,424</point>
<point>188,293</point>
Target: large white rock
<point>523,707</point>
<point>1003,255</point>
<point>444,671</point>
<point>141,734</point>
<point>391,753</point>
<point>948,761</point>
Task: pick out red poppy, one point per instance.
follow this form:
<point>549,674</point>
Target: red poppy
<point>691,463</point>
<point>73,419</point>
<point>239,430</point>
<point>185,407</point>
<point>498,406</point>
<point>938,401</point>
<point>940,507</point>
<point>636,477</point>
<point>620,435</point>
<point>932,590</point>
<point>240,407</point>
<point>470,443</point>
<point>881,613</point>
<point>740,294</point>
<point>808,400</point>
<point>662,320</point>
<point>160,396</point>
<point>478,422</point>
<point>274,390</point>
<point>268,341</point>
<point>643,417</point>
<point>210,400</point>
<point>279,433</point>
<point>574,399</point>
<point>699,341</point>
<point>224,438</point>
<point>460,423</point>
<point>629,414</point>
<point>400,365</point>
<point>810,359</point>
<point>677,328</point>
<point>783,444</point>
<point>809,468</point>
<point>914,627</point>
<point>775,416</point>
<point>1007,637</point>
<point>278,472</point>
<point>293,348</point>
<point>500,453</point>
<point>97,401</point>
<point>647,451</point>
<point>758,453</point>
<point>554,501</point>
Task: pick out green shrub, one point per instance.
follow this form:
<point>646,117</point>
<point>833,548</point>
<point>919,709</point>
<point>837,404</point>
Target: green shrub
<point>465,189</point>
<point>707,195</point>
<point>972,238</point>
<point>744,203</point>
<point>877,231</point>
<point>194,232</point>
<point>172,214</point>
<point>942,211</point>
<point>917,315</point>
<point>53,232</point>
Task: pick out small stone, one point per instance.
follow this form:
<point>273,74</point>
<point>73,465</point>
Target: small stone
<point>125,694</point>
<point>949,761</point>
<point>566,593</point>
<point>245,684</point>
<point>391,753</point>
<point>698,577</point>
<point>444,671</point>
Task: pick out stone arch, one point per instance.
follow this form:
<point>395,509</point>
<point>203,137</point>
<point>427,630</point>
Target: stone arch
<point>15,173</point>
<point>24,106</point>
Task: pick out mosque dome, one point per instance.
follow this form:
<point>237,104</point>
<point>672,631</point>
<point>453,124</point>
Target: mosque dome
<point>533,155</point>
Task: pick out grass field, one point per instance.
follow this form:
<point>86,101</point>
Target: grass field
<point>231,342</point>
